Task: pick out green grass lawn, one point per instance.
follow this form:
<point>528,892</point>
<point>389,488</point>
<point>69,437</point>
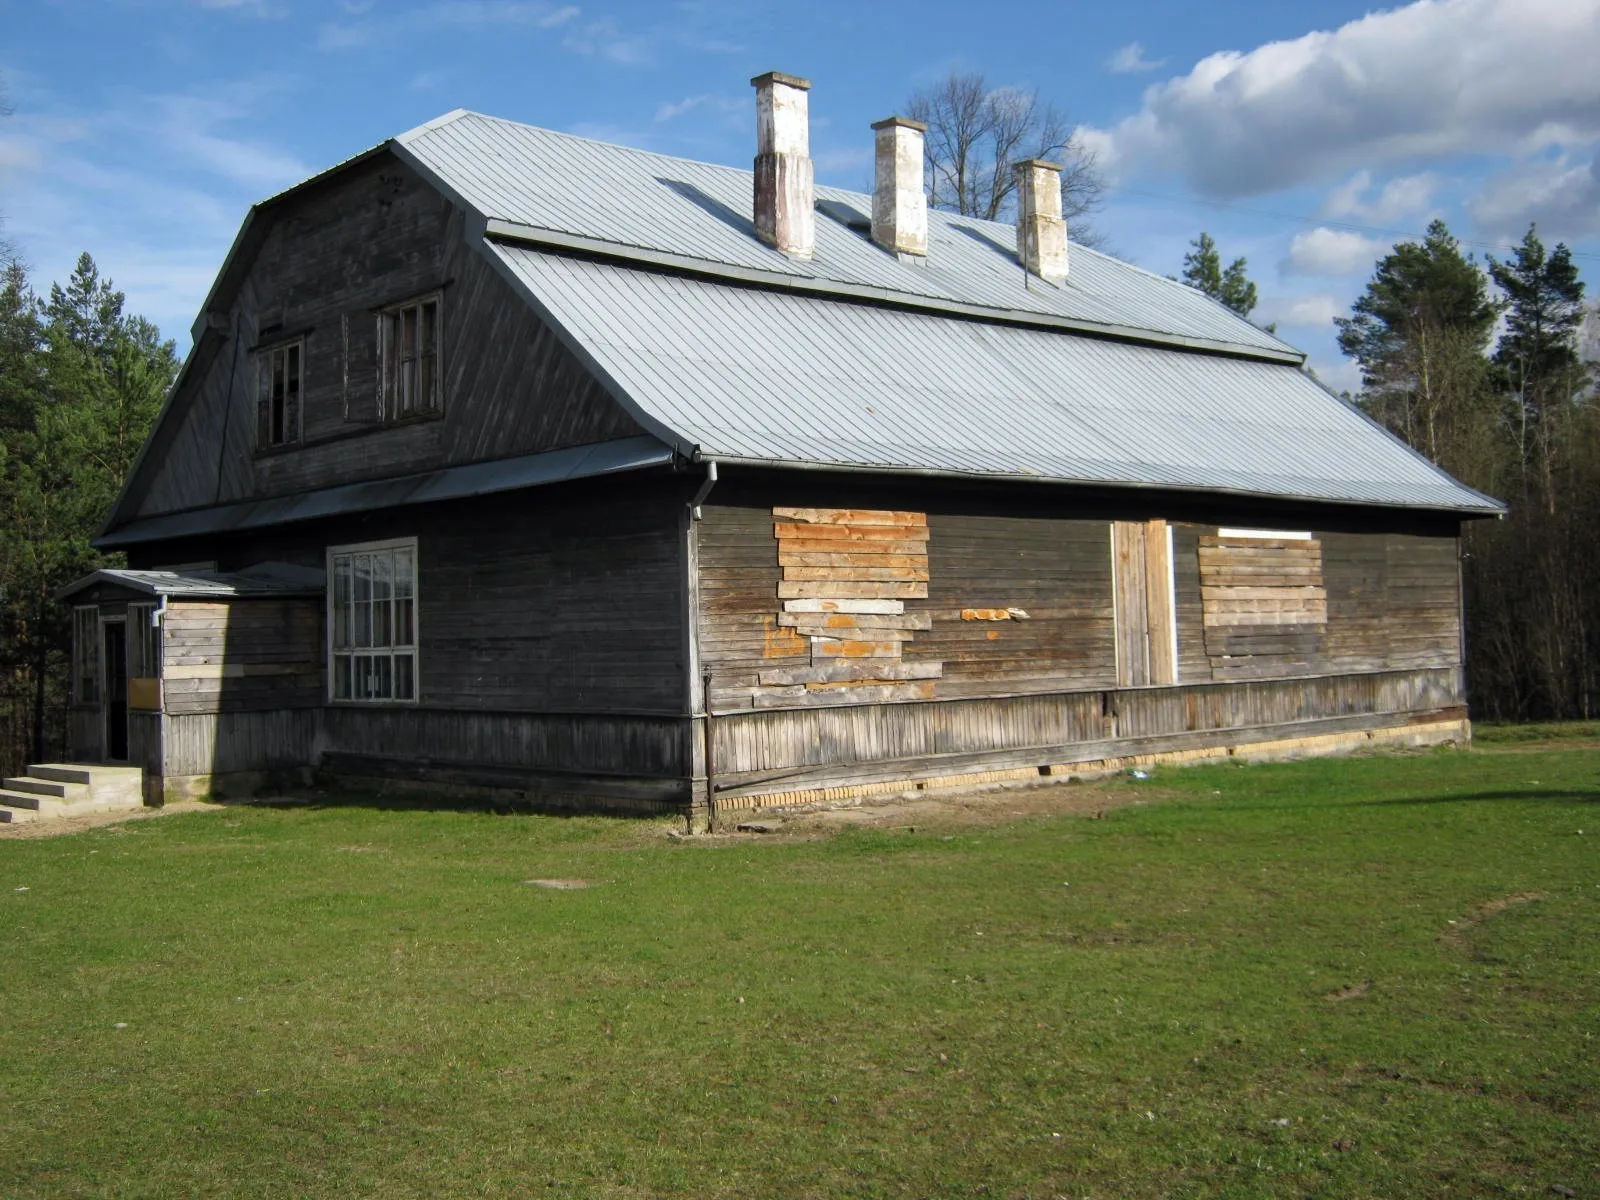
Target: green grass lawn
<point>1360,977</point>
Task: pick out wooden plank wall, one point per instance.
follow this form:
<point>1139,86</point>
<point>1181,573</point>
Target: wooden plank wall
<point>577,745</point>
<point>792,749</point>
<point>1012,604</point>
<point>847,575</point>
<point>1390,601</point>
<point>1264,605</point>
<point>242,655</point>
<point>530,605</point>
<point>213,743</point>
<point>326,264</point>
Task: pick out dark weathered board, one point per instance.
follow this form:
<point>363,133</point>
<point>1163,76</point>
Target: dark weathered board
<point>326,263</point>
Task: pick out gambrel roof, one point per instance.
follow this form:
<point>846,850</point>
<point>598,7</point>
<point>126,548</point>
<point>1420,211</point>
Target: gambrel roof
<point>648,269</point>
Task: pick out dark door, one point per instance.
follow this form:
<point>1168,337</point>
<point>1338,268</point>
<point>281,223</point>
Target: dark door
<point>116,667</point>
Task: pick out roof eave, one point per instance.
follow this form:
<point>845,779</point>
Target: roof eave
<point>1490,508</point>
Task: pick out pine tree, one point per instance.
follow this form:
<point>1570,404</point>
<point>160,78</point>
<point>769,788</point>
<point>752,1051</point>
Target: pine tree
<point>80,384</point>
<point>1538,352</point>
<point>1420,332</point>
<point>1202,270</point>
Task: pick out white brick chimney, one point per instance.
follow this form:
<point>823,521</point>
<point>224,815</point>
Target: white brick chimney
<point>1041,233</point>
<point>899,208</point>
<point>785,186</point>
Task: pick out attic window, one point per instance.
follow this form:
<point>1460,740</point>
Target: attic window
<point>408,354</point>
<point>282,384</point>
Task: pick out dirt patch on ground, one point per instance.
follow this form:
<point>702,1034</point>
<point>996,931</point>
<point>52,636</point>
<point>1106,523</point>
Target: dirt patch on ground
<point>1455,931</point>
<point>57,826</point>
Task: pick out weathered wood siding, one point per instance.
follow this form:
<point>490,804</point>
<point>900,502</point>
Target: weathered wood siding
<point>1013,604</point>
<point>241,655</point>
<point>794,750</point>
<point>552,607</point>
<point>551,646</point>
<point>327,262</point>
<point>1392,600</point>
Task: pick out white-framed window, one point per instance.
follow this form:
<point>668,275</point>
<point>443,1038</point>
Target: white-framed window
<point>410,380</point>
<point>86,655</point>
<point>372,622</point>
<point>143,642</point>
<point>281,385</point>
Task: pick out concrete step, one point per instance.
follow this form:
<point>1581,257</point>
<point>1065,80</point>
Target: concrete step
<point>43,805</point>
<point>17,816</point>
<point>85,773</point>
<point>87,781</point>
<point>60,772</point>
<point>47,787</point>
<point>31,805</point>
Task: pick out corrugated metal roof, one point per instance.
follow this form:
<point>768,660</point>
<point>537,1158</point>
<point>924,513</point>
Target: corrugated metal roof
<point>761,375</point>
<point>633,198</point>
<point>448,483</point>
<point>264,579</point>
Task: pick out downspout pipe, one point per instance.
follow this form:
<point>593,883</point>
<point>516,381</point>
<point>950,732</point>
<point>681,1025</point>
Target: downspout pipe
<point>696,514</point>
<point>706,485</point>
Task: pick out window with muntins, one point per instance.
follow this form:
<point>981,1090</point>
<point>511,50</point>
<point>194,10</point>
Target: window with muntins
<point>372,622</point>
<point>282,384</point>
<point>409,378</point>
<point>86,655</point>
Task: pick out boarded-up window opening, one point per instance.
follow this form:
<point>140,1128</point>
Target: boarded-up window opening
<point>372,622</point>
<point>282,384</point>
<point>144,656</point>
<point>1263,600</point>
<point>847,574</point>
<point>409,356</point>
<point>1145,598</point>
<point>86,655</point>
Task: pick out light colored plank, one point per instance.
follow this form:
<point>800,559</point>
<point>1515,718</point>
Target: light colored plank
<point>850,516</point>
<point>845,606</point>
<point>852,591</point>
<point>857,574</point>
<point>850,533</point>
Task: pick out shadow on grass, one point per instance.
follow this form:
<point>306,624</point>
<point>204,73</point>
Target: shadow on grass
<point>1520,795</point>
<point>431,802</point>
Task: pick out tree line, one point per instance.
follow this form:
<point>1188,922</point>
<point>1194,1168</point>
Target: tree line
<point>1477,367</point>
<point>81,381</point>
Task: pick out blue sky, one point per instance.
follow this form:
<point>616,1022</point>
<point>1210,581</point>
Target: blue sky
<point>1306,136</point>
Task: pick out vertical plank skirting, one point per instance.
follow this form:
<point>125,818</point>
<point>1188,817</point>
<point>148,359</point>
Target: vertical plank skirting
<point>770,750</point>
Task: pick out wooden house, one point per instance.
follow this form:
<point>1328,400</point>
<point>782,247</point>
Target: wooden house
<point>508,459</point>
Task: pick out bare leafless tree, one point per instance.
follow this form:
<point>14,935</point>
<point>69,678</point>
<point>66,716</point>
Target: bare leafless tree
<point>977,131</point>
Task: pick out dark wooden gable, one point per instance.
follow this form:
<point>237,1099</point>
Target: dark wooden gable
<point>323,265</point>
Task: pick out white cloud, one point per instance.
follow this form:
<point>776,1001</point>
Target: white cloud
<point>254,8</point>
<point>1314,311</point>
<point>1561,196</point>
<point>502,12</point>
<point>723,104</point>
<point>1435,78</point>
<point>123,184</point>
<point>606,39</point>
<point>373,28</point>
<point>1130,60</point>
<point>1332,252</point>
<point>1397,199</point>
